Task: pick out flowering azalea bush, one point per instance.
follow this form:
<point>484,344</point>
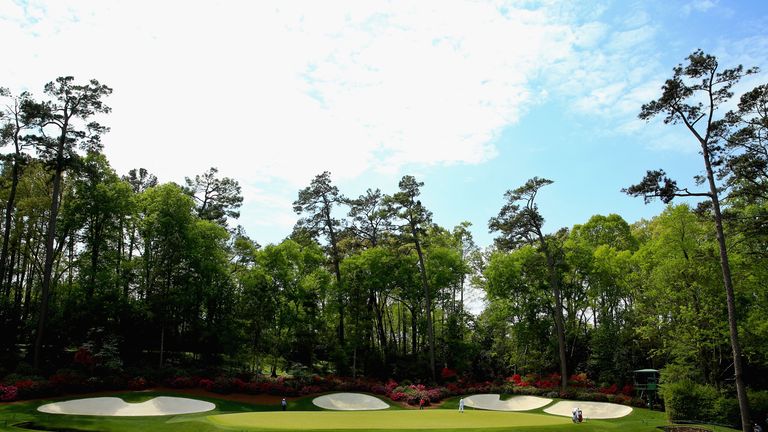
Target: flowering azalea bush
<point>73,381</point>
<point>68,381</point>
<point>28,389</point>
<point>8,393</point>
<point>448,374</point>
<point>181,382</point>
<point>206,384</point>
<point>580,380</point>
<point>138,383</point>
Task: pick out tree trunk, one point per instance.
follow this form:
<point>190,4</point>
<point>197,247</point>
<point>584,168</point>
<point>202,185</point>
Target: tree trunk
<point>30,281</point>
<point>162,344</point>
<point>733,329</point>
<point>49,252</point>
<point>403,332</point>
<point>126,275</point>
<point>554,283</point>
<point>337,273</point>
<point>8,215</point>
<point>427,303</point>
<point>380,328</point>
<point>414,330</point>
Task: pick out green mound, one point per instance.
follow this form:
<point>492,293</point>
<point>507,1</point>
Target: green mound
<point>395,420</point>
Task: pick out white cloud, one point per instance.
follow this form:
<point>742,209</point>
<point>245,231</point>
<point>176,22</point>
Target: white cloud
<point>273,93</point>
<point>279,90</point>
<point>282,91</point>
<point>699,6</point>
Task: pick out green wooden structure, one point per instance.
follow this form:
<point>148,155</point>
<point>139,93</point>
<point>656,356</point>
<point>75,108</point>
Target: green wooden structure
<point>647,385</point>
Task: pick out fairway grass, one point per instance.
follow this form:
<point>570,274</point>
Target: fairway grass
<point>385,420</point>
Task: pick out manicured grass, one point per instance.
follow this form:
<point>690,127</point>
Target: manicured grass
<point>385,420</point>
<point>303,415</point>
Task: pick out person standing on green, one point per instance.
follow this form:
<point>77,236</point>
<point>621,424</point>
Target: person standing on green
<point>284,404</point>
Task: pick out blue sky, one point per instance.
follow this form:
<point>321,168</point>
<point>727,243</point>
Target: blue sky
<point>472,98</point>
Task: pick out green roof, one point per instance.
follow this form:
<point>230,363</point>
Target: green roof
<point>647,371</point>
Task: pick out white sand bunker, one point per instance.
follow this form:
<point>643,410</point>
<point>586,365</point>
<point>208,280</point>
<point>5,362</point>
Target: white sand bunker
<point>515,403</point>
<point>349,402</point>
<point>112,406</point>
<point>590,410</point>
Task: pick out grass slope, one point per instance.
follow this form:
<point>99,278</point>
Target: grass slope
<point>384,420</point>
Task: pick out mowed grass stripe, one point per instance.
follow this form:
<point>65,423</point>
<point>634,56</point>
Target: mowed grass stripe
<point>400,420</point>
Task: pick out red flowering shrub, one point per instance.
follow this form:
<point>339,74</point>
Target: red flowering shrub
<point>221,385</point>
<point>311,389</point>
<point>447,373</point>
<point>551,381</point>
<point>84,357</point>
<point>182,382</point>
<point>580,380</point>
<point>68,381</point>
<point>206,384</point>
<point>138,383</point>
<point>28,389</point>
<point>613,389</point>
<point>238,385</point>
<point>628,390</point>
<point>8,393</point>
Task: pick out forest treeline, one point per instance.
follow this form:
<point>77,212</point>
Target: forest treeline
<point>143,274</point>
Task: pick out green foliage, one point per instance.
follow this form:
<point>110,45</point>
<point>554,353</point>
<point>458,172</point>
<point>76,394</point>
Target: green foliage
<point>216,199</point>
<point>689,401</point>
<point>758,403</point>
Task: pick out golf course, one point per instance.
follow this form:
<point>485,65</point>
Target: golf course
<point>420,216</point>
<point>301,415</point>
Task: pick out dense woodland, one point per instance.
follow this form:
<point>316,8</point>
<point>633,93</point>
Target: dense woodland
<point>149,275</point>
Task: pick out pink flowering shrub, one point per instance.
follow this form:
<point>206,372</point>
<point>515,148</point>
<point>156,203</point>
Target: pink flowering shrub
<point>415,394</point>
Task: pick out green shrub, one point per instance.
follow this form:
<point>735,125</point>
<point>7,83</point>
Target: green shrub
<point>758,403</point>
<point>726,411</point>
<point>686,400</point>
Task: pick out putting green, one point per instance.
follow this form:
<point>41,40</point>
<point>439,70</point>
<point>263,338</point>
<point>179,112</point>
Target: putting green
<point>399,420</point>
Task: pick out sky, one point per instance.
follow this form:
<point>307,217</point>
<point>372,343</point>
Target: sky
<point>473,98</point>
